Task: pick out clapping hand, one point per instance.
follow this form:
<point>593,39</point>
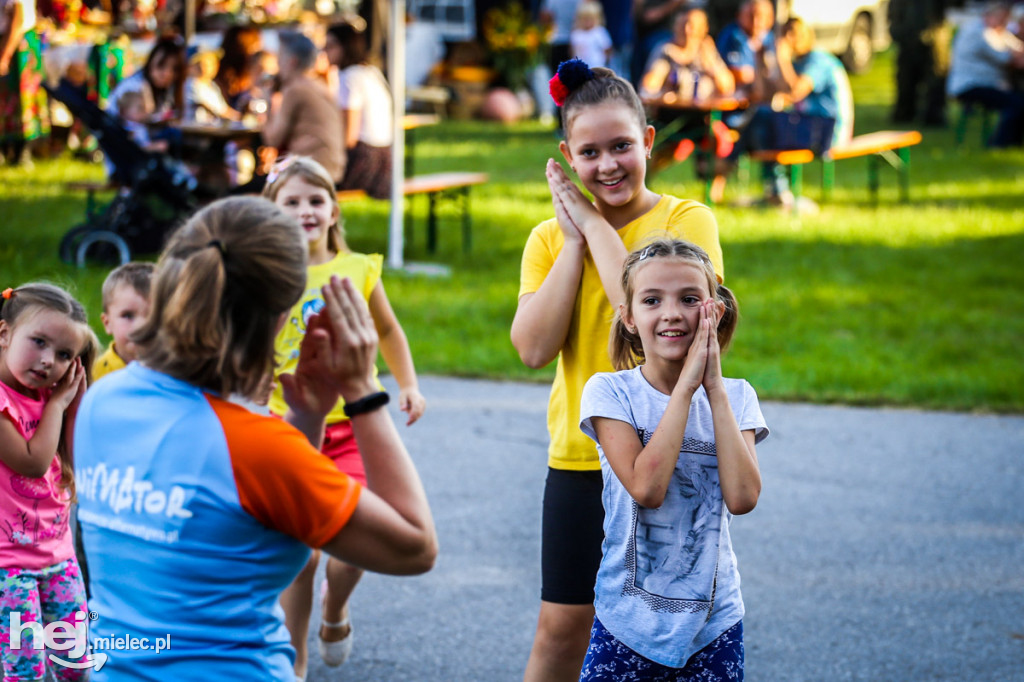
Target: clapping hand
<point>349,353</point>
<point>703,364</point>
<point>713,365</point>
<point>307,390</point>
<point>574,211</point>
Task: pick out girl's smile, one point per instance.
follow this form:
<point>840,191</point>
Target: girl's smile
<point>608,149</point>
<point>665,310</point>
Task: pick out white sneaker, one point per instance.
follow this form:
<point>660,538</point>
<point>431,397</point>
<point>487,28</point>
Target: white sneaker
<point>334,654</point>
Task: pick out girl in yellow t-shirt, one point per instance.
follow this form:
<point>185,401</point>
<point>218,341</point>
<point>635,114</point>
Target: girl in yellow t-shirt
<point>569,287</point>
<point>303,188</point>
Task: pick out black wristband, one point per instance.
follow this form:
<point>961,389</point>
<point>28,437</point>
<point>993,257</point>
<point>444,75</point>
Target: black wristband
<point>366,404</point>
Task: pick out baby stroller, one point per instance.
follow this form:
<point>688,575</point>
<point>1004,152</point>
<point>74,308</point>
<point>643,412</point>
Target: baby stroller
<point>158,192</point>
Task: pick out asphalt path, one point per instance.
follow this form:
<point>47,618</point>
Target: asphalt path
<point>887,545</point>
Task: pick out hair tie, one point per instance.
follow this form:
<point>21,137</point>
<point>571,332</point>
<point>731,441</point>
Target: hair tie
<point>279,167</point>
<point>8,293</point>
<point>570,75</point>
<point>219,245</point>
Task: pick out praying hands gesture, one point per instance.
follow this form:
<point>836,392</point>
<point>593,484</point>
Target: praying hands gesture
<point>574,211</point>
<point>738,470</point>
<point>703,363</point>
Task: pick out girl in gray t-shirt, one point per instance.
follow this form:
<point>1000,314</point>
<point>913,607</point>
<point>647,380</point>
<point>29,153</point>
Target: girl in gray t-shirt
<point>677,447</point>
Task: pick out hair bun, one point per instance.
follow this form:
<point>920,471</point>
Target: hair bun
<point>571,74</point>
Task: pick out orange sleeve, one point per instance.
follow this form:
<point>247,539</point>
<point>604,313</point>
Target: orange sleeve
<point>282,480</point>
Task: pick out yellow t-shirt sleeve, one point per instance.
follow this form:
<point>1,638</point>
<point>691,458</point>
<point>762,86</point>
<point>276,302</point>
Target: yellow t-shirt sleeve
<point>374,268</point>
<point>697,224</point>
<point>542,247</point>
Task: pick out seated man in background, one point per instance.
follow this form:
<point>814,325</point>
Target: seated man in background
<point>814,111</point>
<point>984,52</point>
<point>748,47</point>
<point>304,120</point>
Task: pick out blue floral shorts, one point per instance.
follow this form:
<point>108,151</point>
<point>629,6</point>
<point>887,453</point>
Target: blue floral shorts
<point>609,660</point>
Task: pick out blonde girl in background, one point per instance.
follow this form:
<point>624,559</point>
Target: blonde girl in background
<point>304,190</point>
<point>45,347</point>
<point>569,288</point>
<point>589,38</point>
<point>677,448</point>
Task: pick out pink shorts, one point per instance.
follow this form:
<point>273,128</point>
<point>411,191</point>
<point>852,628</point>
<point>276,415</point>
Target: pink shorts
<point>340,445</point>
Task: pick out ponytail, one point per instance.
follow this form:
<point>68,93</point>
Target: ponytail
<point>195,302</point>
<point>223,281</point>
<point>730,316</point>
<point>624,347</point>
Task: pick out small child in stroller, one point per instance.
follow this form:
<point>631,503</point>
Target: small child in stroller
<point>133,116</point>
<point>157,192</point>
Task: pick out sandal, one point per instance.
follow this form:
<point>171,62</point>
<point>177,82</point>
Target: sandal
<point>333,654</point>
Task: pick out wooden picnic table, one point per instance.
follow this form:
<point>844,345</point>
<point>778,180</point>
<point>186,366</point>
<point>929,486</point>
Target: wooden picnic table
<point>710,111</point>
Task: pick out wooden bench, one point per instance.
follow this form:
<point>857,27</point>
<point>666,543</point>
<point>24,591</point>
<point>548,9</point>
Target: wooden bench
<point>435,186</point>
<point>890,146</point>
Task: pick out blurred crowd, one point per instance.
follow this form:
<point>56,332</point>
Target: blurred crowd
<point>674,51</point>
<point>225,109</point>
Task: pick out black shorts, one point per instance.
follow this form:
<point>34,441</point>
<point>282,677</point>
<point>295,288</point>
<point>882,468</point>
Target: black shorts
<point>571,536</point>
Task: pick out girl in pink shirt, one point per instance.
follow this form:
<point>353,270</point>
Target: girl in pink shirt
<point>45,346</point>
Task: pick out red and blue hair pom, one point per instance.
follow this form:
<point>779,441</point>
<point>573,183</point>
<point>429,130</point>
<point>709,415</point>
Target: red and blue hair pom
<point>571,74</point>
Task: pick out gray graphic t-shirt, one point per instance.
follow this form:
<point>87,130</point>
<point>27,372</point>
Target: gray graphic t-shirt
<point>668,584</point>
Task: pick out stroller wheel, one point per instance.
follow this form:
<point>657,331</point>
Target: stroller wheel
<point>85,243</point>
<point>70,241</point>
<point>104,247</point>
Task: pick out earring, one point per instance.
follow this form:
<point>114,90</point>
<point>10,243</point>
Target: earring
<point>648,153</point>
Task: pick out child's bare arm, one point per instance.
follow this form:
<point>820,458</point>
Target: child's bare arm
<point>603,242</point>
<point>394,346</point>
<point>33,457</point>
<point>542,319</point>
<point>738,472</point>
<point>646,471</point>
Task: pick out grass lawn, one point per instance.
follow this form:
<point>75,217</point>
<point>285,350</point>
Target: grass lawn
<point>917,305</point>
